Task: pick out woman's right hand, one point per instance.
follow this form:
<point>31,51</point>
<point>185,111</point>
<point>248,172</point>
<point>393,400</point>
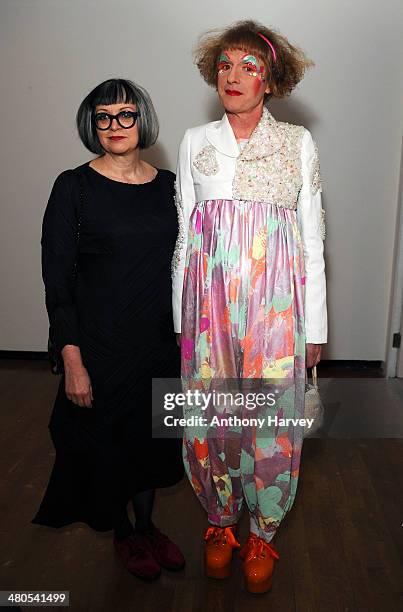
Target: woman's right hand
<point>77,381</point>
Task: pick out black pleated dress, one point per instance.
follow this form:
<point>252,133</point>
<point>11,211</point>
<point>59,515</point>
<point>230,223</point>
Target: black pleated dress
<point>106,268</point>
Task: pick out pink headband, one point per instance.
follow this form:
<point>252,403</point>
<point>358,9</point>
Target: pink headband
<point>269,43</point>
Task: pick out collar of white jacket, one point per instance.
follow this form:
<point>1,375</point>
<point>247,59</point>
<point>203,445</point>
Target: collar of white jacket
<point>264,140</point>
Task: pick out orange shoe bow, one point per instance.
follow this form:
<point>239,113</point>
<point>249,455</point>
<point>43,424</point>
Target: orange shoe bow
<point>257,547</point>
<point>219,533</point>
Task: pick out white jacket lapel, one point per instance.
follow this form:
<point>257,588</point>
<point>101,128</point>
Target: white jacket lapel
<point>264,140</point>
<point>221,136</point>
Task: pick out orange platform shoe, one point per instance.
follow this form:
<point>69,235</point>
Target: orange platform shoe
<point>258,564</point>
<point>220,542</point>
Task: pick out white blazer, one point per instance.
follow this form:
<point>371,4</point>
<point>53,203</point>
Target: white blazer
<point>279,165</point>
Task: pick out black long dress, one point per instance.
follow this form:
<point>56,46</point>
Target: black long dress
<point>106,268</point>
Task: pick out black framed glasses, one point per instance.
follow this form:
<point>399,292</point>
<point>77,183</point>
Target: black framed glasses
<point>126,119</point>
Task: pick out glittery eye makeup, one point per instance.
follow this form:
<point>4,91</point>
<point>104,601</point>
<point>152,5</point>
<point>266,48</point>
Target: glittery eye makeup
<point>253,67</point>
<point>224,58</point>
<point>223,63</point>
<point>248,63</point>
<point>251,59</point>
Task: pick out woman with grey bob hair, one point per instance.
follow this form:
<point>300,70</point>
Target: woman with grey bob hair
<point>107,93</point>
<point>108,237</point>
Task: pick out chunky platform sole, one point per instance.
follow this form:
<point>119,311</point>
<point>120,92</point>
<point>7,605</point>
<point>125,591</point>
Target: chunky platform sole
<point>219,573</point>
<point>220,544</point>
<point>258,587</point>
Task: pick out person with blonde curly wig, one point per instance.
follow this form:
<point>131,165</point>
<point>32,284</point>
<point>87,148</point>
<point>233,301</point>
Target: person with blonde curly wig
<point>249,292</point>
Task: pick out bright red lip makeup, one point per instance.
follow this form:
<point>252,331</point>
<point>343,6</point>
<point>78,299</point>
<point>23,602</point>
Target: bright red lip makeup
<point>116,137</point>
<point>233,92</point>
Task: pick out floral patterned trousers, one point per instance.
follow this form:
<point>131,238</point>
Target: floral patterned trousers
<point>243,332</point>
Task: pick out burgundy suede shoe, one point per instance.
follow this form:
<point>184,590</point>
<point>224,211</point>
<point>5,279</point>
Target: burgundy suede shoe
<point>137,557</point>
<point>165,552</point>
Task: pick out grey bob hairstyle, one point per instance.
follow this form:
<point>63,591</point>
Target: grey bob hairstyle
<point>114,91</point>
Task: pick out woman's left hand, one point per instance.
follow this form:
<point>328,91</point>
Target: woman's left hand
<point>313,354</point>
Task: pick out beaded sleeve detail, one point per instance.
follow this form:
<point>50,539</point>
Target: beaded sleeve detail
<point>206,161</point>
<point>322,226</point>
<point>180,241</point>
<point>316,182</point>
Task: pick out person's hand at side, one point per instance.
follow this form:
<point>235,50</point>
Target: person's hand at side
<point>78,384</point>
<point>313,354</point>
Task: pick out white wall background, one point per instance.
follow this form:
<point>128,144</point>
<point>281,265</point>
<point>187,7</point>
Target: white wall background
<point>52,52</point>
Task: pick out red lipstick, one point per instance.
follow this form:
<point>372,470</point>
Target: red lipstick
<point>116,137</point>
<point>233,92</point>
